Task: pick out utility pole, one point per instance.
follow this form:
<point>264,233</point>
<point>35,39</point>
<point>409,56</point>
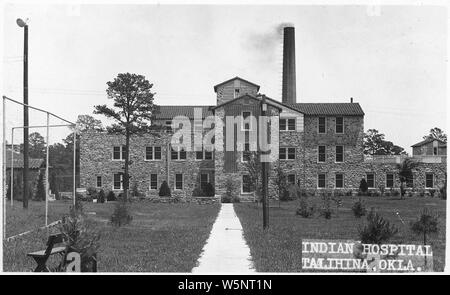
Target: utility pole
<point>264,168</point>
<point>24,25</point>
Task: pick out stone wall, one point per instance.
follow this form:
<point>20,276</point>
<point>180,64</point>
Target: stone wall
<point>96,160</point>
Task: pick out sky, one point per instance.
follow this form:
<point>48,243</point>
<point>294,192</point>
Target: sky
<point>390,59</point>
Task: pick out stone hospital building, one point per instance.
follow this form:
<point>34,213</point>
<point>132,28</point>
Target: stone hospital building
<point>320,146</point>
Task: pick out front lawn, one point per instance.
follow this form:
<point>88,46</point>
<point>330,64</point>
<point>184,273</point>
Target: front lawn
<point>161,238</point>
<point>279,248</point>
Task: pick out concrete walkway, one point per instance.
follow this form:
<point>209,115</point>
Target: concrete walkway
<point>225,250</point>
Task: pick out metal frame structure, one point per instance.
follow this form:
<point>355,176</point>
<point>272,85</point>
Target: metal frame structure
<point>47,157</point>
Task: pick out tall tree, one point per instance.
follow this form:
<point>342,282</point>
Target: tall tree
<point>254,168</point>
<point>375,144</point>
<point>36,144</point>
<point>437,133</point>
<point>132,111</point>
<point>405,173</point>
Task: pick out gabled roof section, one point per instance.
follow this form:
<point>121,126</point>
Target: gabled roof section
<point>18,161</point>
<point>328,109</point>
<point>268,101</point>
<point>428,140</point>
<point>168,112</point>
<point>227,81</point>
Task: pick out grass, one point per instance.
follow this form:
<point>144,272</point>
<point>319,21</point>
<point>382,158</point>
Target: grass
<point>161,237</point>
<point>279,248</point>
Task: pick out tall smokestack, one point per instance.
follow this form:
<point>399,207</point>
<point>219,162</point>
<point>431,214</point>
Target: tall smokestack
<point>288,91</point>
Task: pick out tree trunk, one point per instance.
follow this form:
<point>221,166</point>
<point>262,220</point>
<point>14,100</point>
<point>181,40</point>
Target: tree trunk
<point>126,178</point>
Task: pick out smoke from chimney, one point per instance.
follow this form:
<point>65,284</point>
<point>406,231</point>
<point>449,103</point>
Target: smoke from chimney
<point>289,85</point>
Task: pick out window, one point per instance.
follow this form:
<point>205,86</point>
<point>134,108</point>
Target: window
<point>340,125</point>
<point>118,181</point>
<point>178,181</point>
<point>199,155</point>
<point>389,180</point>
<point>169,125</point>
<point>203,180</point>
<point>152,153</point>
<point>435,151</point>
<point>208,155</point>
<point>178,154</point>
<point>246,121</point>
<point>321,154</point>
<point>246,152</point>
<point>370,179</point>
<point>339,180</point>
<point>287,153</point>
<point>153,181</point>
<point>236,92</point>
<point>321,180</point>
<point>287,124</point>
<point>339,154</point>
<point>429,180</point>
<point>322,124</point>
<point>119,153</point>
<point>291,179</point>
<point>99,181</point>
<point>246,184</point>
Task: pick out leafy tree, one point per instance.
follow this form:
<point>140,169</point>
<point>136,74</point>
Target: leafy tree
<point>87,123</point>
<point>375,144</point>
<point>436,133</point>
<point>131,111</point>
<point>280,183</point>
<point>405,173</point>
<point>37,146</point>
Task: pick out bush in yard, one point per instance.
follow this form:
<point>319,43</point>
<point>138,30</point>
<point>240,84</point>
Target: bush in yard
<point>290,194</point>
<point>121,215</point>
<point>111,196</point>
<point>443,189</point>
<point>81,238</point>
<point>348,193</point>
<point>101,196</point>
<point>426,223</point>
<point>197,192</point>
<point>40,191</point>
<point>91,191</point>
<point>230,195</point>
<point>208,190</point>
<point>164,190</point>
<point>363,187</point>
<point>378,230</point>
<point>304,210</point>
<point>326,206</point>
<point>359,209</point>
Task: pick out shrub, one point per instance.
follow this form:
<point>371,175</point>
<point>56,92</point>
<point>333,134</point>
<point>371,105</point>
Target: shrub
<point>164,190</point>
<point>432,192</point>
<point>197,192</point>
<point>363,187</point>
<point>121,215</point>
<point>348,193</point>
<point>326,206</point>
<point>378,230</point>
<point>230,195</point>
<point>80,238</point>
<point>208,190</point>
<point>359,209</point>
<point>290,194</point>
<point>110,196</point>
<point>381,188</point>
<point>426,223</point>
<point>395,193</point>
<point>304,210</point>
<point>91,191</point>
<point>40,191</point>
<point>101,196</point>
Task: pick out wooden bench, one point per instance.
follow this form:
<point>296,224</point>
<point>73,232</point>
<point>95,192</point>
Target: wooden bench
<point>42,256</point>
